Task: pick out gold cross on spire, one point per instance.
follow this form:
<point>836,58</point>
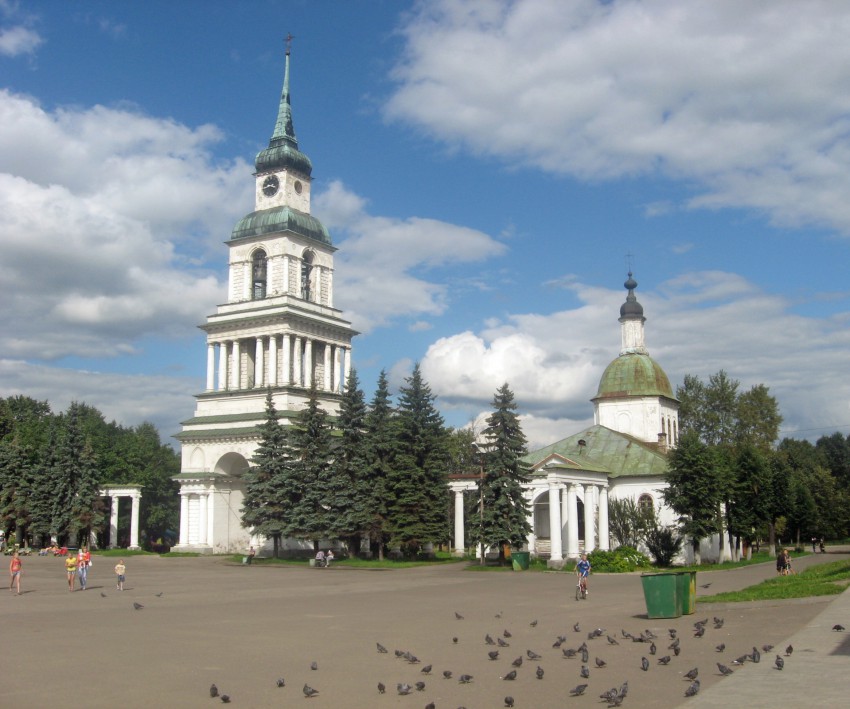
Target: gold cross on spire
<point>289,38</point>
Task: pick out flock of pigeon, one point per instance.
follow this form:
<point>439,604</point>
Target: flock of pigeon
<point>597,642</point>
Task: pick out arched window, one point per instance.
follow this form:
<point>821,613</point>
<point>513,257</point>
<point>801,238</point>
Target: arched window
<point>645,502</point>
<point>306,275</point>
<point>258,275</point>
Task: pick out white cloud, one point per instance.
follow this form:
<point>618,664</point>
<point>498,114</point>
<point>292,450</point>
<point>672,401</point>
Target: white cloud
<point>386,268</point>
<point>747,101</point>
<point>697,323</point>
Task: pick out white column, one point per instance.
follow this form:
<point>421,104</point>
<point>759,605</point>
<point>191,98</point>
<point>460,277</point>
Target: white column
<point>460,546</point>
<point>565,516</point>
<point>572,521</point>
<point>298,372</point>
<point>604,541</point>
<point>337,382</point>
<point>235,368</point>
<point>202,514</point>
<point>113,523</point>
<point>210,366</point>
<point>258,363</point>
<point>532,537</point>
<point>328,372</point>
<point>134,522</point>
<point>308,363</point>
<point>211,518</point>
<point>184,519</point>
<point>555,522</point>
<point>330,288</point>
<point>273,360</point>
<point>589,519</point>
<point>346,365</point>
<point>286,360</point>
<point>222,366</point>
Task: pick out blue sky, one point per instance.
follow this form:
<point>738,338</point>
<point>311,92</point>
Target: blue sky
<point>485,169</point>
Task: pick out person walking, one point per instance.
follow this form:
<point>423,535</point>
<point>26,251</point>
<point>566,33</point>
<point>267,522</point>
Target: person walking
<point>71,570</point>
<point>583,571</point>
<point>83,558</point>
<point>120,570</point>
<point>15,566</point>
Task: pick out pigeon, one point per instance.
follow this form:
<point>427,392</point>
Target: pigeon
<point>458,616</point>
<point>464,679</point>
<point>693,690</point>
<point>699,632</point>
<point>493,654</point>
<point>721,647</point>
<point>779,662</point>
<point>381,648</point>
<point>674,644</point>
<point>740,660</point>
<point>582,647</point>
<point>213,691</point>
<point>838,628</point>
<point>702,622</point>
<point>557,643</point>
<point>578,690</point>
<point>600,662</point>
<point>539,672</point>
<point>585,655</point>
<point>532,655</point>
<point>644,664</point>
<point>381,688</point>
<point>725,671</point>
<point>502,643</point>
<point>626,634</point>
<point>412,659</point>
<point>718,623</point>
<point>510,676</point>
<point>430,705</point>
<point>585,672</point>
<point>789,650</point>
<point>705,585</point>
<point>403,688</point>
<point>767,648</point>
<point>517,662</point>
<point>102,594</point>
<point>756,656</point>
<point>624,688</point>
<point>507,634</point>
<point>509,701</point>
<point>159,595</point>
<point>692,674</point>
<point>420,686</point>
<point>612,641</point>
<point>314,665</point>
<point>447,674</point>
<point>280,682</point>
<point>533,623</point>
<point>664,660</point>
<point>652,649</point>
<point>677,650</point>
<point>488,640</point>
<point>137,606</point>
<point>672,633</point>
<point>399,653</point>
<point>426,670</point>
<point>610,694</point>
<point>309,691</point>
<point>225,698</point>
<point>498,615</point>
<point>454,640</point>
<point>569,652</point>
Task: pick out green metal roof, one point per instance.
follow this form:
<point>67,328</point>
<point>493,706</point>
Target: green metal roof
<point>604,450</point>
<point>634,374</point>
<point>279,219</point>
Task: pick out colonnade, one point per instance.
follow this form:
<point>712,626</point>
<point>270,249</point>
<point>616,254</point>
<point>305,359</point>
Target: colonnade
<point>563,516</point>
<point>134,492</point>
<point>279,360</point>
<point>200,533</point>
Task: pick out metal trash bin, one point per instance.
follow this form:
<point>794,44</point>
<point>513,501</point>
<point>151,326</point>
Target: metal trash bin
<point>520,560</point>
<point>661,593</point>
<point>687,592</point>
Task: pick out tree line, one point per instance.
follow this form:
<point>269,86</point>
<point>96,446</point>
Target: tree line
<point>52,467</point>
<point>380,471</point>
<point>728,476</point>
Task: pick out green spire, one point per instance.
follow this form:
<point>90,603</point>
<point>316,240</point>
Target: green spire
<point>283,152</point>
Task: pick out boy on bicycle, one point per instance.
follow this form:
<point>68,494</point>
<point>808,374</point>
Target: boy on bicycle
<point>583,571</point>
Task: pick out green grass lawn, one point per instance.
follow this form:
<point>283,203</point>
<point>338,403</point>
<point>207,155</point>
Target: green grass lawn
<point>441,558</point>
<point>821,580</point>
<point>761,557</point>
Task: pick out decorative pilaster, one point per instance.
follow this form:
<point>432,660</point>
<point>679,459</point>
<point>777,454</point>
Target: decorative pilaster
<point>210,366</point>
<point>572,520</point>
<point>184,519</point>
<point>258,364</point>
<point>298,371</point>
<point>235,368</point>
<point>202,522</point>
<point>273,361</point>
<point>211,519</point>
<point>328,381</point>
<point>556,554</point>
<point>308,363</point>
<point>286,359</point>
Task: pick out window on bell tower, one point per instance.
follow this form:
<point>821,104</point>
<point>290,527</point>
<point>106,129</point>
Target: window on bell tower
<point>259,263</point>
<point>306,275</point>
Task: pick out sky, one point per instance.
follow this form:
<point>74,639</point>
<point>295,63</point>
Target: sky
<point>489,171</point>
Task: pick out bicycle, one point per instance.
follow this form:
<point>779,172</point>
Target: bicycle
<point>581,588</point>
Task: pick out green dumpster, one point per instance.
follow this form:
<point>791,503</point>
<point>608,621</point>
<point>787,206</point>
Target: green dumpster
<point>520,560</point>
<point>687,591</point>
<point>661,592</point>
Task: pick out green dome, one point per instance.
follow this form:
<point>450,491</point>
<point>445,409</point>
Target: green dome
<point>634,374</point>
<point>279,219</point>
<point>283,154</point>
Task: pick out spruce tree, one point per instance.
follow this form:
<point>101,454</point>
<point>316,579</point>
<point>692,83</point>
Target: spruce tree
<point>266,501</point>
<point>15,486</point>
<point>381,448</point>
<point>417,487</point>
<point>504,519</point>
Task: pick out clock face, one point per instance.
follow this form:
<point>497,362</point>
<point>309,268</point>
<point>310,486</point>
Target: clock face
<point>270,186</point>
